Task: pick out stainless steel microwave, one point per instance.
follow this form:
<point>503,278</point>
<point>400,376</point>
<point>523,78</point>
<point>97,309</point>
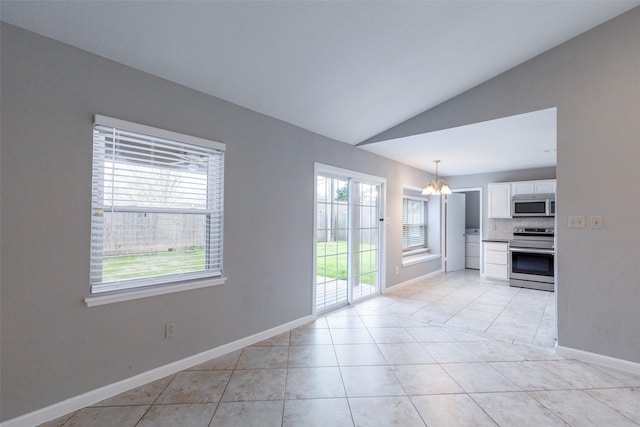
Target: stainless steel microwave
<point>533,205</point>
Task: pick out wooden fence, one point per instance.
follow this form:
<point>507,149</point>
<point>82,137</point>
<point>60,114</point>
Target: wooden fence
<point>134,233</point>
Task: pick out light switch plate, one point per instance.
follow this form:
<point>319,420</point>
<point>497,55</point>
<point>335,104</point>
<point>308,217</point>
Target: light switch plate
<point>576,221</point>
<point>596,222</point>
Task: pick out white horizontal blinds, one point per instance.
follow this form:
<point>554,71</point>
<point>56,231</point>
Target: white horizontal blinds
<point>157,209</point>
<point>413,223</point>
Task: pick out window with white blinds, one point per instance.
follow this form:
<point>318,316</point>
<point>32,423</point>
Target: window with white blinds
<point>414,224</point>
<point>157,207</point>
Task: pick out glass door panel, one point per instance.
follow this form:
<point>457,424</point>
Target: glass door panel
<point>348,233</point>
<point>365,243</point>
<point>332,230</point>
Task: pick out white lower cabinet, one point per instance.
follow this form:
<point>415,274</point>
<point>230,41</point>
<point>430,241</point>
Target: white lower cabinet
<point>496,260</point>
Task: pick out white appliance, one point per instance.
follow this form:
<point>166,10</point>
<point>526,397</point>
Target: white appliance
<point>472,248</point>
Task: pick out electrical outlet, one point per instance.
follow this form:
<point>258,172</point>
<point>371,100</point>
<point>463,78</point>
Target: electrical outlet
<point>596,222</point>
<point>576,221</point>
<point>397,269</point>
<point>170,330</point>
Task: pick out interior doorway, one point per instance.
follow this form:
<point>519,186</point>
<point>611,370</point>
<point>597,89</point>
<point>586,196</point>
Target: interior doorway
<point>348,237</point>
<point>472,226</point>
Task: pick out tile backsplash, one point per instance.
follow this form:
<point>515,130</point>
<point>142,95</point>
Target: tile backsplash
<point>502,228</point>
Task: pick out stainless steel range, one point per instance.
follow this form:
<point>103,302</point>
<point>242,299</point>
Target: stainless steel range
<point>532,258</point>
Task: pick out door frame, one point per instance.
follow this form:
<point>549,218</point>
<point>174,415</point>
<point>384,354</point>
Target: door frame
<point>444,240</point>
<point>336,172</point>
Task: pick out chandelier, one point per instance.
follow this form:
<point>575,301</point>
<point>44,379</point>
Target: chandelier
<point>437,186</point>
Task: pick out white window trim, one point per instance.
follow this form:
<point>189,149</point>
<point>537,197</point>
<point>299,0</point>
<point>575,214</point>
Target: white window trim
<point>160,133</point>
<point>416,250</point>
<point>128,295</point>
<point>420,199</point>
<point>417,259</point>
<point>185,284</point>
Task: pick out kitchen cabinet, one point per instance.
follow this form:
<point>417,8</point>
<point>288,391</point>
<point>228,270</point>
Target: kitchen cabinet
<point>500,193</point>
<point>496,260</point>
<point>533,187</point>
<point>545,186</point>
<point>499,200</point>
<point>522,187</point>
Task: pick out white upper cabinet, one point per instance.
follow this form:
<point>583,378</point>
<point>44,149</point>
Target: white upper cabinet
<point>500,193</point>
<point>499,197</point>
<point>545,186</point>
<point>533,187</point>
<point>522,187</point>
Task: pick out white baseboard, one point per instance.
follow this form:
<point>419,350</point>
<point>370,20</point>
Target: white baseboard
<point>94,396</point>
<point>598,359</point>
<point>411,281</point>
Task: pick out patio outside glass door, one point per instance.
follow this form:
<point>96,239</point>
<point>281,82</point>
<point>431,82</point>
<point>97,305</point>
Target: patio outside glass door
<point>347,239</point>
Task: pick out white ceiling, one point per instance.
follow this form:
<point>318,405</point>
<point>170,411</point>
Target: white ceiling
<point>343,69</point>
<point>526,140</point>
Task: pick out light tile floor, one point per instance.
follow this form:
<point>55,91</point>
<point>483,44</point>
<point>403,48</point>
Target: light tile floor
<point>453,350</point>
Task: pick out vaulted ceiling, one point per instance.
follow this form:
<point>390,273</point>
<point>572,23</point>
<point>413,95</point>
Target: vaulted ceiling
<point>343,69</point>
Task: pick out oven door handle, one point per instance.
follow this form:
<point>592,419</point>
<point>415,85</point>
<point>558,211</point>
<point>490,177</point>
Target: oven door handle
<point>533,251</point>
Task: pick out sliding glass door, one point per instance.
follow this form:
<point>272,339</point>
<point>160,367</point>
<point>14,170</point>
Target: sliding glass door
<point>365,239</point>
<point>347,239</point>
<point>332,251</point>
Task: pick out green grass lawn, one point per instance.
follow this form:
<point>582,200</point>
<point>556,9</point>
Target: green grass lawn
<point>158,264</point>
<point>331,261</point>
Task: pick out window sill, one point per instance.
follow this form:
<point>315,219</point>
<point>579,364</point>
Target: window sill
<point>111,298</point>
<point>417,259</point>
<point>416,252</point>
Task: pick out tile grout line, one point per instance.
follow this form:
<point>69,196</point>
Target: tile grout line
<point>527,351</point>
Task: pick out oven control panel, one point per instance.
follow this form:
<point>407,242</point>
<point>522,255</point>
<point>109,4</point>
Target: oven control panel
<point>533,231</point>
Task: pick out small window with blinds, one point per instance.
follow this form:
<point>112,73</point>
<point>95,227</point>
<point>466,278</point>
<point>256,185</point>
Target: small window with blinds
<point>414,224</point>
<point>157,207</point>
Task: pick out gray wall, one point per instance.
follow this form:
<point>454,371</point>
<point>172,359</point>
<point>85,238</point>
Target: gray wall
<point>594,81</point>
<point>53,346</point>
<point>472,209</point>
